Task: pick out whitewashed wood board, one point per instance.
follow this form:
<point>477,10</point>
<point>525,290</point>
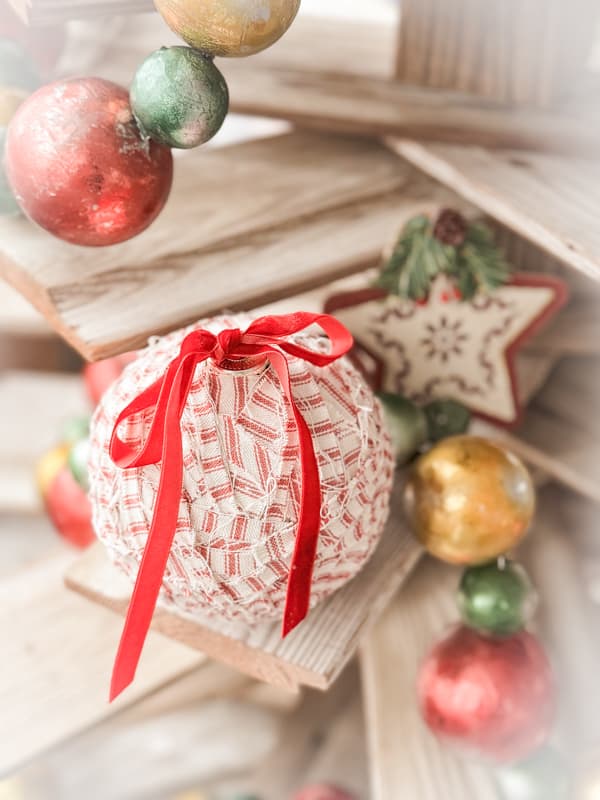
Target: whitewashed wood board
<point>552,200</point>
<point>314,653</point>
<point>245,225</point>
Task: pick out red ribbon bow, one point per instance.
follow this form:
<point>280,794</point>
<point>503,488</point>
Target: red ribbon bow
<point>167,396</point>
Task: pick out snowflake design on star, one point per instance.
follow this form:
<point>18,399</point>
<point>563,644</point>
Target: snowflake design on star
<point>445,339</point>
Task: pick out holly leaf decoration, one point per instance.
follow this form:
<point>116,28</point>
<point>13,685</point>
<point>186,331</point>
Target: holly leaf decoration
<point>416,260</point>
<point>479,265</point>
<point>465,252</point>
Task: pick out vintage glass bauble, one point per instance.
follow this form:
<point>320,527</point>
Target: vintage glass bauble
<point>469,500</point>
<point>488,696</point>
<point>406,423</point>
<point>179,97</point>
<point>74,429</point>
<point>78,166</point>
<point>228,27</point>
<point>496,598</point>
<point>78,462</point>
<point>49,465</point>
<point>69,509</point>
<point>446,418</point>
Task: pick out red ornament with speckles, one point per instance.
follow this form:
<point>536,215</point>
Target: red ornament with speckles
<point>69,509</point>
<point>99,375</point>
<point>494,697</point>
<point>79,167</point>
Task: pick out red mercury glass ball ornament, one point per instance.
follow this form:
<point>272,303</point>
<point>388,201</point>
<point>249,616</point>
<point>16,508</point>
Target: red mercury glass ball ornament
<point>79,167</point>
<point>99,375</point>
<point>492,697</point>
<point>69,509</point>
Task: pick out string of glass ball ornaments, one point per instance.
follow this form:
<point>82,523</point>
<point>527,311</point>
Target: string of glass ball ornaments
<point>91,163</point>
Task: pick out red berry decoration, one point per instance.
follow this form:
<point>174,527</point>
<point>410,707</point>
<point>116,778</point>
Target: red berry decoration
<point>69,509</point>
<point>322,791</point>
<point>79,167</point>
<point>491,696</point>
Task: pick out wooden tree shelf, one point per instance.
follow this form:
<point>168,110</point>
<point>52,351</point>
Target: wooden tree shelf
<point>315,653</point>
<point>273,217</point>
<point>356,87</point>
<point>551,200</point>
<point>373,106</point>
<point>390,659</point>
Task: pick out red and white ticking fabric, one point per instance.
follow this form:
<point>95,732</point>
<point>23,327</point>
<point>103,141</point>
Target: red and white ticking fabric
<point>241,488</point>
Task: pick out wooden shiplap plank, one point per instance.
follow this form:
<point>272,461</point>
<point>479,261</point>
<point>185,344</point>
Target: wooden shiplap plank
<point>550,200</point>
<point>315,653</point>
<point>246,224</point>
<point>56,655</point>
<point>374,106</point>
<point>405,759</point>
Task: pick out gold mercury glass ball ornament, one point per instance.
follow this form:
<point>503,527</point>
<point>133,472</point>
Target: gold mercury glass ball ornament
<point>228,27</point>
<point>469,500</point>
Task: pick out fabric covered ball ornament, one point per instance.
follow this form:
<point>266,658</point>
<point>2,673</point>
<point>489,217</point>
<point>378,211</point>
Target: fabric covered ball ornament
<point>228,27</point>
<point>285,482</point>
<point>79,167</point>
<point>469,500</point>
<point>179,97</point>
<point>493,697</point>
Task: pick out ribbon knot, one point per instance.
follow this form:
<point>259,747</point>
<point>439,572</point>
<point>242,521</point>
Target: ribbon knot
<point>167,397</point>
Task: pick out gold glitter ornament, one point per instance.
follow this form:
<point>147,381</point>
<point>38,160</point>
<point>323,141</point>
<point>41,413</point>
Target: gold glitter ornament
<point>228,27</point>
<point>469,500</point>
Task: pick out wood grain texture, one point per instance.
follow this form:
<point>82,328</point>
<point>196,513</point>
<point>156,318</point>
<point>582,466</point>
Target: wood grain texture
<point>338,75</point>
<point>56,656</point>
<point>550,200</point>
<point>375,106</point>
<point>405,760</point>
<point>567,619</point>
<point>294,211</point>
<point>315,653</point>
<point>518,53</point>
<point>563,423</point>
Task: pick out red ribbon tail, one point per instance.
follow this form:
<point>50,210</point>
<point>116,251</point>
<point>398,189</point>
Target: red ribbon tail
<point>160,538</point>
<point>297,602</point>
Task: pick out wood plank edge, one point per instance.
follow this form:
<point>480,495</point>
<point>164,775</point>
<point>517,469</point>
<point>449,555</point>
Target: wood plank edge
<point>215,645</point>
<point>40,299</point>
<point>419,156</point>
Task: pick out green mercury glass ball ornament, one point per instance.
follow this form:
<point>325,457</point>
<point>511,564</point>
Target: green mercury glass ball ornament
<point>543,776</point>
<point>496,598</point>
<point>407,425</point>
<point>446,418</point>
<point>179,98</point>
<point>78,462</point>
<point>74,429</point>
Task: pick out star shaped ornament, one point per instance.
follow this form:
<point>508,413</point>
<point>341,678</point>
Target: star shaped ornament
<point>443,346</point>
